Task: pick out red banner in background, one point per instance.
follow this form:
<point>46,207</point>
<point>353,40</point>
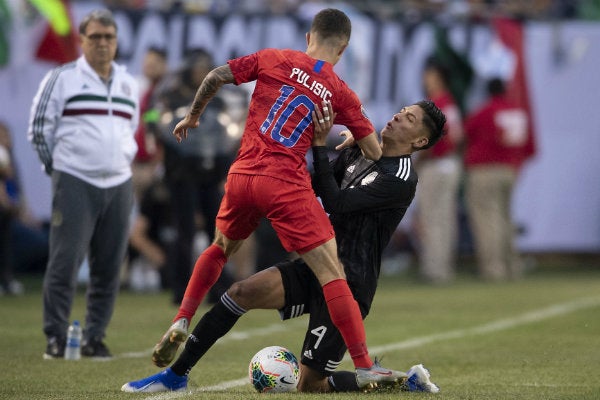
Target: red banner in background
<point>58,48</point>
<point>511,34</point>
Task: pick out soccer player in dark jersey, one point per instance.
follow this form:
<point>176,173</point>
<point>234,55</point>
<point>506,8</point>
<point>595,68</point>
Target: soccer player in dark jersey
<point>269,177</point>
<point>366,201</point>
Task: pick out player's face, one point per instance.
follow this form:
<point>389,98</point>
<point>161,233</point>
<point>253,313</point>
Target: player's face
<point>407,125</point>
<point>99,43</point>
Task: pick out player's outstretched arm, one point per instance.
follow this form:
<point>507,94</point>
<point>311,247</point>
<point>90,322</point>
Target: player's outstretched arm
<point>370,146</point>
<point>207,90</point>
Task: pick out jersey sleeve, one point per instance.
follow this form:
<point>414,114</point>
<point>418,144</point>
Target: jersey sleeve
<point>245,69</point>
<point>384,192</point>
<point>351,114</point>
<point>44,116</point>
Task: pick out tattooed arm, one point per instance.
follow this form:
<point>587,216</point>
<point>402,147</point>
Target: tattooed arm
<point>207,90</point>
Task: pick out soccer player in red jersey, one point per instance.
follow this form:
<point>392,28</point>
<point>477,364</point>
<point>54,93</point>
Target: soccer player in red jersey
<point>366,201</point>
<point>269,176</point>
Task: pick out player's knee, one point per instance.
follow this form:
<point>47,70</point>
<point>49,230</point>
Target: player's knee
<point>261,290</point>
<point>228,246</point>
<point>243,293</point>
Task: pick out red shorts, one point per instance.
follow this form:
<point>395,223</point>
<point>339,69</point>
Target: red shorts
<point>294,211</point>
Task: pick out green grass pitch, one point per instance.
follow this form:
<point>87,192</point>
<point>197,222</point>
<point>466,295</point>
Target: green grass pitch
<point>538,338</point>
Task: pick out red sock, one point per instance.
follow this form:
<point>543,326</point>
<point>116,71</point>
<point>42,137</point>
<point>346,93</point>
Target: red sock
<point>345,315</point>
<point>206,271</point>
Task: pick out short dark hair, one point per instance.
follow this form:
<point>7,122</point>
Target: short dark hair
<point>159,51</point>
<point>102,16</point>
<point>196,56</point>
<point>192,58</point>
<point>434,121</point>
<point>332,23</point>
<point>496,87</point>
<point>434,64</point>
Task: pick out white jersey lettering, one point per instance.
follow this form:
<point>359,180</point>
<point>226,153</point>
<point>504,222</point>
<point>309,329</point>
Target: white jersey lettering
<point>314,86</point>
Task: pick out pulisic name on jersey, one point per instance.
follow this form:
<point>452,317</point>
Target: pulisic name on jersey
<point>314,86</point>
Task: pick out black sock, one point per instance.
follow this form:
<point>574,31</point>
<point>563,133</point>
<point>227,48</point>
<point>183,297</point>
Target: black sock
<point>343,381</point>
<point>213,325</point>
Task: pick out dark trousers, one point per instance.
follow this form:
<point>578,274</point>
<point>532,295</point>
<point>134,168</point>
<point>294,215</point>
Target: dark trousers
<point>196,188</point>
<point>85,220</point>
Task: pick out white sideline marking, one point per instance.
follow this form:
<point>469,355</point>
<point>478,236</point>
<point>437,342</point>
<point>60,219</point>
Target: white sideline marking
<point>494,326</point>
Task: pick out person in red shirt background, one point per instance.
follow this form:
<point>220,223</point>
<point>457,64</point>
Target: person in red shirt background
<point>496,138</point>
<point>148,156</point>
<point>439,177</point>
<point>269,177</point>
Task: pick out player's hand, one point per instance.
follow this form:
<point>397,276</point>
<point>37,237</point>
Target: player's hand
<point>323,121</point>
<point>348,140</point>
<point>181,129</point>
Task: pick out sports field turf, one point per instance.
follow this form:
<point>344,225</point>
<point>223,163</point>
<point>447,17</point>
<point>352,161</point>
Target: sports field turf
<point>538,338</point>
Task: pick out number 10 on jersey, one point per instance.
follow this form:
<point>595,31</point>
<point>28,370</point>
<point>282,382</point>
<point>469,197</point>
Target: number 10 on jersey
<point>281,131</point>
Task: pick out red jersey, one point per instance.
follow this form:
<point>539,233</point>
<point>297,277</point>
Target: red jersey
<point>144,154</point>
<point>496,134</point>
<point>279,127</point>
<point>454,129</point>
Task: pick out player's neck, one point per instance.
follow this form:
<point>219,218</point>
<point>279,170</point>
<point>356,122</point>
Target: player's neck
<point>325,53</point>
<point>323,56</point>
<point>396,149</point>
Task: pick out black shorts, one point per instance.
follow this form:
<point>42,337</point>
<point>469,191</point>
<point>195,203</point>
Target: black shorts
<point>323,347</point>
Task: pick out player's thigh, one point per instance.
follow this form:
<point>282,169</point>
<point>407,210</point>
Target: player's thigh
<point>300,287</point>
<point>323,261</point>
<point>238,214</point>
<point>295,214</point>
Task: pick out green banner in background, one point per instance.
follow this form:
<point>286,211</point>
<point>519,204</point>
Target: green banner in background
<point>5,26</point>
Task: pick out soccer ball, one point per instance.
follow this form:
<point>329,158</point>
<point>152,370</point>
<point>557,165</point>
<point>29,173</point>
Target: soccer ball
<point>274,369</point>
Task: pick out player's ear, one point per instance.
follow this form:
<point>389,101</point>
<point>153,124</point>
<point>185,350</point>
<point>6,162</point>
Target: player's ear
<point>342,50</point>
<point>421,142</point>
<point>307,38</point>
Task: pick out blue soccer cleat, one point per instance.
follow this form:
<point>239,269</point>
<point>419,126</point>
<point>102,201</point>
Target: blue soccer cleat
<point>165,381</point>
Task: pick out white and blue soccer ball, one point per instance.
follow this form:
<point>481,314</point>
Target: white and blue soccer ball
<point>274,369</point>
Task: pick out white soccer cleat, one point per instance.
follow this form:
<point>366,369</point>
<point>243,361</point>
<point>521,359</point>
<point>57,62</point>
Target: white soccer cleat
<point>370,378</point>
<point>418,380</point>
<point>164,352</point>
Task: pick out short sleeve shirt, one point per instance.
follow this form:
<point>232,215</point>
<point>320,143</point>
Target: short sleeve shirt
<point>279,127</point>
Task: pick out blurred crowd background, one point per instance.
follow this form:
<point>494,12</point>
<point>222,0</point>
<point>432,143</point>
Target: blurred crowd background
<point>544,51</point>
<point>406,9</point>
